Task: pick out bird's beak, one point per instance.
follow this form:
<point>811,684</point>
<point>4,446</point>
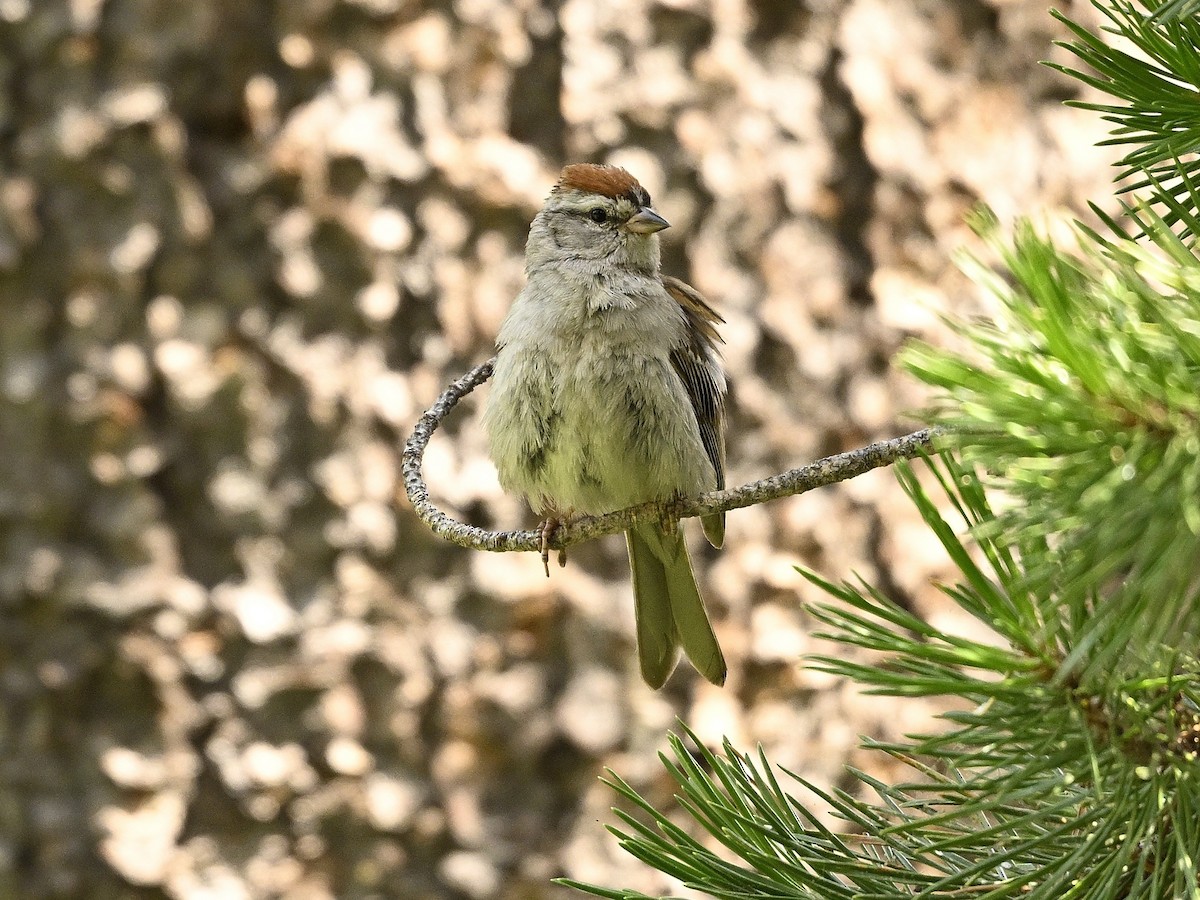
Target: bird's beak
<point>646,221</point>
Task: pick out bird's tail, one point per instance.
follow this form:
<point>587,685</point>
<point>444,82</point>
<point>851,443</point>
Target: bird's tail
<point>669,611</point>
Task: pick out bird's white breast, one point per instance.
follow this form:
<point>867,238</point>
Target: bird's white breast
<point>586,413</point>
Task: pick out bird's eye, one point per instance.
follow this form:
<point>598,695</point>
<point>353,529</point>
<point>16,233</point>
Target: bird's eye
<point>598,215</point>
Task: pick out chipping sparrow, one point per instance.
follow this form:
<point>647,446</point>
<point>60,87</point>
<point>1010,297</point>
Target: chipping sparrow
<point>608,392</point>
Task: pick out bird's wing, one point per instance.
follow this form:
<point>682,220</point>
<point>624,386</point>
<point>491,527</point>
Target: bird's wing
<point>698,364</point>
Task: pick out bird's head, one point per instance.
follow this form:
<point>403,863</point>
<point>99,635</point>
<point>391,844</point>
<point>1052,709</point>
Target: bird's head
<point>598,214</point>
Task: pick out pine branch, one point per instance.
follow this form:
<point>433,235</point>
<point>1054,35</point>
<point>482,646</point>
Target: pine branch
<point>817,474</point>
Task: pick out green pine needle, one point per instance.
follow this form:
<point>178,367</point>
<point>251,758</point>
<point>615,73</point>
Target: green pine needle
<point>1083,400</point>
<point>1155,90</point>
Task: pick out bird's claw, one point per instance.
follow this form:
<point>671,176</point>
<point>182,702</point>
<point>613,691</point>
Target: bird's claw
<point>670,513</point>
<point>546,534</point>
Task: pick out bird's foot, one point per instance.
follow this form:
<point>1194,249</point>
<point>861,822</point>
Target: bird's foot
<point>546,532</point>
<point>669,513</point>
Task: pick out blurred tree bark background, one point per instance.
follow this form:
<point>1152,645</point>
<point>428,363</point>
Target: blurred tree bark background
<point>242,244</point>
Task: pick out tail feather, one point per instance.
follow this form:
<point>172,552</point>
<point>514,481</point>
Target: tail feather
<point>669,610</point>
<point>658,643</point>
<point>714,528</point>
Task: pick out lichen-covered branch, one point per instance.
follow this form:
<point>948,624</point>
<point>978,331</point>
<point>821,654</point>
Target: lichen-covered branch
<point>829,470</point>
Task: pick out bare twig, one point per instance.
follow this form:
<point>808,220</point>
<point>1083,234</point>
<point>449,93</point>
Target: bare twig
<point>830,470</point>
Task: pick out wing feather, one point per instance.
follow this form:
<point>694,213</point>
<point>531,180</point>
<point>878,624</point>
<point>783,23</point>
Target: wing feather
<point>698,364</point>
